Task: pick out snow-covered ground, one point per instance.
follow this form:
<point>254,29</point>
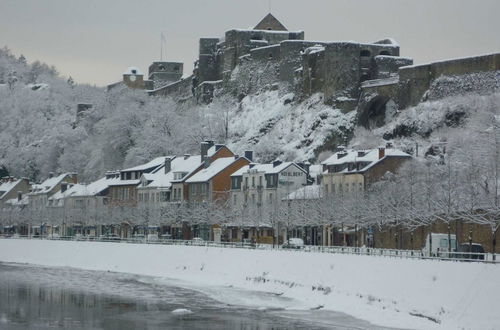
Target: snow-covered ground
<point>404,293</point>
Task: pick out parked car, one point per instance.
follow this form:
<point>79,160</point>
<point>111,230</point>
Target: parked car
<point>294,243</point>
<point>470,251</point>
<point>439,246</point>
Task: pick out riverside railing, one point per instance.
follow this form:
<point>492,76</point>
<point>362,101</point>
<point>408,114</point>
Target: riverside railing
<point>368,251</point>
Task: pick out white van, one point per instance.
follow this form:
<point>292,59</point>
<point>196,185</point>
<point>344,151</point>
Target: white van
<point>436,245</point>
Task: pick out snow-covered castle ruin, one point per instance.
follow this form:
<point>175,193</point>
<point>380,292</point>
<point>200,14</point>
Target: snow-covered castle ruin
<point>371,78</point>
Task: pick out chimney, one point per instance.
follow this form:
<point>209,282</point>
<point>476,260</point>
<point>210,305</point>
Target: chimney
<point>64,186</point>
<point>51,175</point>
<point>186,156</point>
<point>249,155</point>
<point>381,152</point>
<point>168,164</point>
<point>277,162</point>
<point>206,162</point>
<point>306,166</point>
<point>74,178</point>
<point>205,145</point>
<point>19,196</point>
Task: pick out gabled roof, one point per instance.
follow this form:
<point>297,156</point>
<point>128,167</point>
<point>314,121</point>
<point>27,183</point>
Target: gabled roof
<point>369,159</point>
<point>154,164</point>
<point>6,187</point>
<point>67,193</point>
<point>160,179</point>
<point>269,22</point>
<point>267,168</point>
<point>94,188</point>
<point>215,168</point>
<point>15,202</point>
<point>49,184</point>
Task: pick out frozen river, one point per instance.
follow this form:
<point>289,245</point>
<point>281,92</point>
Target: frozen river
<point>34,297</point>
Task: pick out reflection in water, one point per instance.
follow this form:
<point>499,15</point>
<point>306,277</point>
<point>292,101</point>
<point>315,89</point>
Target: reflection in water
<point>40,298</point>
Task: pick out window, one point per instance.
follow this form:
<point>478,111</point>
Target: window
<point>253,182</point>
<point>365,53</point>
<point>270,198</point>
<point>326,188</point>
<point>260,181</point>
<point>385,52</point>
<point>235,199</point>
<point>246,182</point>
<point>253,198</point>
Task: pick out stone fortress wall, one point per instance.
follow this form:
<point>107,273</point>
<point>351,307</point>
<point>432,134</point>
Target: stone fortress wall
<point>362,77</point>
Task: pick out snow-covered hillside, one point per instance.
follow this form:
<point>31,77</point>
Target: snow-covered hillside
<point>40,131</point>
<point>403,293</point>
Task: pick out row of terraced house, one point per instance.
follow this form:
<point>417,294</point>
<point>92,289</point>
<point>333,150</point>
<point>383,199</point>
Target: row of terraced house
<point>216,176</point>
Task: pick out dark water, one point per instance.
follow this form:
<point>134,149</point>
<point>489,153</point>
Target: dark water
<point>44,298</point>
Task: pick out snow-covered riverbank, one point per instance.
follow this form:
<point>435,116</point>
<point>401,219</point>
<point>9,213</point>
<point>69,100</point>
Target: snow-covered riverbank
<point>390,292</point>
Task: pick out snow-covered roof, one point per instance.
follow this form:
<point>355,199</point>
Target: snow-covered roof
<point>94,188</point>
<point>6,187</point>
<point>307,192</point>
<point>133,70</point>
<point>160,179</point>
<point>15,202</point>
<point>370,157</point>
<point>155,163</point>
<point>49,184</point>
<point>67,193</point>
<point>215,167</point>
<point>134,182</point>
<point>267,168</point>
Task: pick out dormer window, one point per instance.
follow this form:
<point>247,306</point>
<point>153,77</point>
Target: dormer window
<point>179,175</point>
<point>161,67</point>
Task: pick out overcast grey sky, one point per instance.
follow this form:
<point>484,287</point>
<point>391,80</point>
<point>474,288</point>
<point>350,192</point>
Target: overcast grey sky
<point>94,41</point>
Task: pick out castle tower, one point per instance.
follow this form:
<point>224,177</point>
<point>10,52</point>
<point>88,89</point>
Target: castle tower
<point>270,23</point>
<point>133,78</point>
<point>164,73</point>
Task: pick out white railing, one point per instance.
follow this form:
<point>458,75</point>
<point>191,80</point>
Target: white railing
<point>376,252</point>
